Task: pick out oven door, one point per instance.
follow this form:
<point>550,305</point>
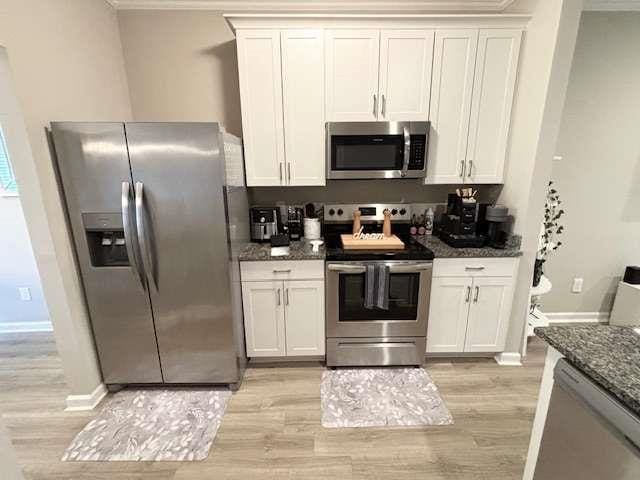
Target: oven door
<point>371,150</point>
<point>408,312</point>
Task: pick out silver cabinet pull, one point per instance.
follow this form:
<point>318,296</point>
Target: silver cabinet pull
<point>469,267</point>
<point>289,172</point>
<point>468,295</point>
<point>375,105</point>
<point>462,169</point>
<point>278,296</point>
<point>286,270</point>
<point>475,298</point>
<point>141,227</point>
<point>384,105</point>
<point>280,172</point>
<point>470,168</point>
<point>132,250</point>
<point>286,296</point>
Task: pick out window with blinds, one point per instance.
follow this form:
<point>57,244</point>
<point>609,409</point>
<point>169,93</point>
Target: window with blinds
<point>7,179</point>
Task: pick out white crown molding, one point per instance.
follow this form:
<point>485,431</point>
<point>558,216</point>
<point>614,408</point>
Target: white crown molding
<point>316,5</point>
<point>612,5</point>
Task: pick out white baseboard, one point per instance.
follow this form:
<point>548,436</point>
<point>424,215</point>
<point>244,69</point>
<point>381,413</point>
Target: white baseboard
<point>77,403</point>
<point>26,327</point>
<point>508,359</point>
<point>577,317</point>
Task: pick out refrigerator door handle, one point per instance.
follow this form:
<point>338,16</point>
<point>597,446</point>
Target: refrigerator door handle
<point>143,234</point>
<point>132,252</point>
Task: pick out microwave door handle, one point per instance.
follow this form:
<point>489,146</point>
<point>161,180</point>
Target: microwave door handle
<point>407,151</point>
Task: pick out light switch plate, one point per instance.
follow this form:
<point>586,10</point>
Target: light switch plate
<point>577,285</point>
<point>25,294</point>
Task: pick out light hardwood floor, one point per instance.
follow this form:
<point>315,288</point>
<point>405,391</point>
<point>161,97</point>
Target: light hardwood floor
<point>272,426</point>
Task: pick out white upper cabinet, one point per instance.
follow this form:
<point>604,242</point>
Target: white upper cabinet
<point>261,98</point>
<point>452,86</point>
<point>352,58</point>
<point>303,101</point>
<point>474,75</point>
<point>493,86</point>
<point>406,57</point>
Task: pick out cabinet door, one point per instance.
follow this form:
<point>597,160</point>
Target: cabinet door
<point>452,85</point>
<point>406,57</point>
<point>304,317</point>
<point>261,99</point>
<point>493,85</point>
<point>351,58</point>
<point>448,311</point>
<point>264,318</point>
<point>303,94</point>
<point>489,314</point>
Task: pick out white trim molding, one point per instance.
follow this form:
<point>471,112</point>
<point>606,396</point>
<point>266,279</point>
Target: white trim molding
<point>508,359</point>
<point>76,403</point>
<point>577,317</point>
<point>26,327</point>
<point>315,5</point>
<point>612,5</point>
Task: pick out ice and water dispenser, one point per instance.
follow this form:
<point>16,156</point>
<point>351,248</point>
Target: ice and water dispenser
<point>105,239</point>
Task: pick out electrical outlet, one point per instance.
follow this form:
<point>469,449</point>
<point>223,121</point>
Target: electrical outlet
<point>577,285</point>
<point>25,294</point>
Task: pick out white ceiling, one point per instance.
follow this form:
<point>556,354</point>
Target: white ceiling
<point>489,6</point>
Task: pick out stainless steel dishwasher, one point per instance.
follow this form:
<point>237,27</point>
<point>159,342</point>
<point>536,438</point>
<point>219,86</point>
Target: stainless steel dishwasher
<point>588,434</point>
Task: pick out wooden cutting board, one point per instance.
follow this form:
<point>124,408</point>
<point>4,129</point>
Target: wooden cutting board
<point>388,243</point>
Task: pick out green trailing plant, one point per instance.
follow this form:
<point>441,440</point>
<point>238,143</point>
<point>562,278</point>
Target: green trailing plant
<point>550,231</point>
<point>551,227</point>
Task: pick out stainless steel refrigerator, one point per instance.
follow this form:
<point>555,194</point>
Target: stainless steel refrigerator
<point>157,211</point>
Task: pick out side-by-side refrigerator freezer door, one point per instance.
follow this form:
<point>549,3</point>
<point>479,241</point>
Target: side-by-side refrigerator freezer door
<point>96,179</point>
<point>178,173</point>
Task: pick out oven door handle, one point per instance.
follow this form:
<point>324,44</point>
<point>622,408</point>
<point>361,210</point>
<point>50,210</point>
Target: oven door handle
<point>410,268</point>
<point>335,267</point>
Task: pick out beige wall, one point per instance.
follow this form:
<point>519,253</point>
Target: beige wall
<point>66,62</point>
<point>542,80</point>
<point>181,65</point>
<point>599,176</point>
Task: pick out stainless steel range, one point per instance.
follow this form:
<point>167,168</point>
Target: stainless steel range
<point>360,336</point>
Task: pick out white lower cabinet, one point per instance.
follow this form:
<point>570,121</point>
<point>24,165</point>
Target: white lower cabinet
<point>283,317</point>
<point>263,319</point>
<point>470,312</point>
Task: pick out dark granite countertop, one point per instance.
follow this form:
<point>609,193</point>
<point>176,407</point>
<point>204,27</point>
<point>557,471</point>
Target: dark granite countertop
<point>442,250</point>
<point>608,354</point>
<point>297,251</point>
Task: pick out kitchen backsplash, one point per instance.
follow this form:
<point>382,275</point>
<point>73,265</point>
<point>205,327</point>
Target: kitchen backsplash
<point>369,191</point>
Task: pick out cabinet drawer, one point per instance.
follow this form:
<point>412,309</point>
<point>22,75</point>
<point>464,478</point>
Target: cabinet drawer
<point>474,267</point>
<point>282,270</point>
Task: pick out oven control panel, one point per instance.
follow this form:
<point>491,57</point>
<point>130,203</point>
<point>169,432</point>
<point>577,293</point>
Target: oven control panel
<point>368,212</point>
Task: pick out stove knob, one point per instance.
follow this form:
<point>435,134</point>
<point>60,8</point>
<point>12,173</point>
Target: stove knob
<point>340,212</point>
<point>331,211</point>
<point>402,211</point>
<point>394,211</point>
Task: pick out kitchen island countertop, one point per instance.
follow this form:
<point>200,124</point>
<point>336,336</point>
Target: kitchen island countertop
<point>608,354</point>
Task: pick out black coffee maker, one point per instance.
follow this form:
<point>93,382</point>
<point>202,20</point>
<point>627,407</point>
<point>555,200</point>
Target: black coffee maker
<point>493,223</point>
<point>458,226</point>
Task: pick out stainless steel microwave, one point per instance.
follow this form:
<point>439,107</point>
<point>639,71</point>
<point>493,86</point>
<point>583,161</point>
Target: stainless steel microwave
<point>377,149</point>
